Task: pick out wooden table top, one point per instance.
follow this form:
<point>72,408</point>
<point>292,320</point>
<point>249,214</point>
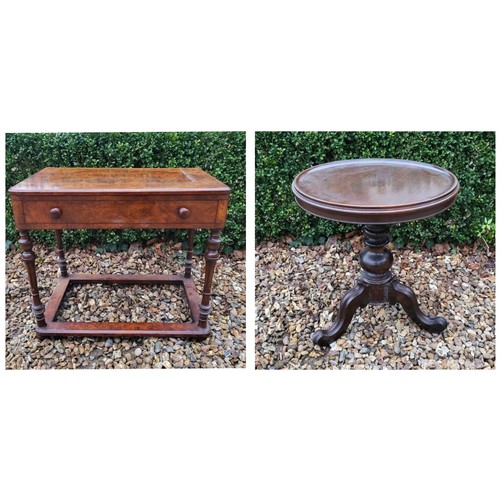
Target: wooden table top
<point>120,198</point>
<point>375,191</point>
<point>76,180</point>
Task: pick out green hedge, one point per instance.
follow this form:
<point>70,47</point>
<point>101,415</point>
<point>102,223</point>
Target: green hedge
<point>280,156</point>
<point>222,154</point>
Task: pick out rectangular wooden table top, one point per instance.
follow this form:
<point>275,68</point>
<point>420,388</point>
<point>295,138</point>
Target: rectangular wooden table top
<point>78,180</point>
<point>114,198</point>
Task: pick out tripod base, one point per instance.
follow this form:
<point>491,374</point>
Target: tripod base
<point>377,285</point>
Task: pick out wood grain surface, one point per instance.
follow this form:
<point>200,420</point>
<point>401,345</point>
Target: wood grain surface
<point>375,191</point>
<point>118,198</point>
<point>79,180</point>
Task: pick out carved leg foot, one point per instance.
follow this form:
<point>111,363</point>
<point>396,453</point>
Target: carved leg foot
<point>405,296</point>
<point>354,298</point>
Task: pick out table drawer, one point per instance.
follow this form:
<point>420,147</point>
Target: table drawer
<point>74,214</point>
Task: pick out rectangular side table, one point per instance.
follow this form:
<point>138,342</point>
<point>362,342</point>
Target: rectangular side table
<point>118,198</point>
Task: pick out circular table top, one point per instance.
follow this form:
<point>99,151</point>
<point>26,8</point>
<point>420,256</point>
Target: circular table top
<point>375,191</point>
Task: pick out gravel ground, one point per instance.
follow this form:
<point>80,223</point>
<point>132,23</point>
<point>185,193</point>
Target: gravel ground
<point>298,290</point>
<point>225,348</point>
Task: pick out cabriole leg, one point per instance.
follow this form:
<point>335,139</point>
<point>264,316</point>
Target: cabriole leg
<point>354,298</point>
<point>405,296</point>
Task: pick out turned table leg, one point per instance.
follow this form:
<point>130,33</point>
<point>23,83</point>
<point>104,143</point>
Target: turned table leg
<point>189,254</point>
<point>211,256</point>
<point>61,260</point>
<point>28,256</point>
<point>376,285</point>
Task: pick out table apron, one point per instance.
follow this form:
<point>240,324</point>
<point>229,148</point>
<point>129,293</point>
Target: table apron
<point>77,213</point>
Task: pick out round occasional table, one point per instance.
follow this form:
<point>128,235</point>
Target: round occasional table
<point>376,193</point>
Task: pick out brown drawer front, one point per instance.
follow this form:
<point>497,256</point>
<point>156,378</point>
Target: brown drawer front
<point>98,213</point>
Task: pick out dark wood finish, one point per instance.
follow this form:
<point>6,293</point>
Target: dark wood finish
<point>188,264</point>
<point>120,213</point>
<point>55,300</point>
<point>376,285</point>
<point>405,296</point>
<point>87,198</point>
<point>184,213</point>
<point>61,260</point>
<point>28,257</point>
<point>119,198</point>
<point>55,213</point>
<point>354,298</point>
<point>211,257</point>
<point>124,329</point>
<point>70,329</point>
<point>116,181</point>
<point>376,192</point>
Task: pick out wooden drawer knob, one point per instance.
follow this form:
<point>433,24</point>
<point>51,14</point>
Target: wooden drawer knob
<point>55,213</point>
<point>184,212</point>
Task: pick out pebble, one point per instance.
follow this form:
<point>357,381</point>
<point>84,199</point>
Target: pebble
<point>442,351</point>
<point>138,351</point>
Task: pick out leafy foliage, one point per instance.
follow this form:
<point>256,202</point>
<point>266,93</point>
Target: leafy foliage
<point>487,231</point>
<point>221,154</point>
<point>280,156</point>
